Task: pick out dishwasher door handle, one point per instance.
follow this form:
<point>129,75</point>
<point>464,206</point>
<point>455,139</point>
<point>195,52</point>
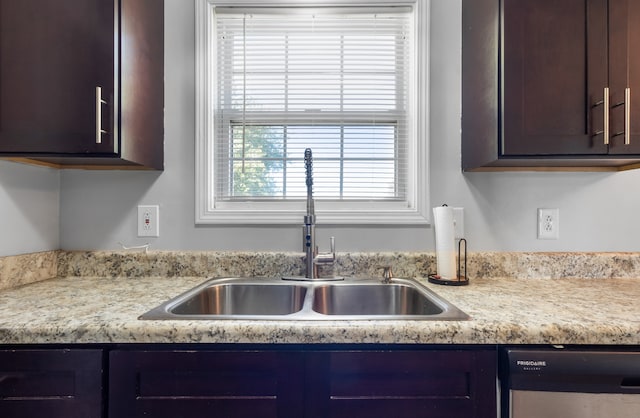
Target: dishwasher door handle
<point>630,382</point>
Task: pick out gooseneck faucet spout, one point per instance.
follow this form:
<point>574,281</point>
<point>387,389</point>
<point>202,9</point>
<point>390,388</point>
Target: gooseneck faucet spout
<point>310,217</point>
<point>313,259</point>
<point>308,165</point>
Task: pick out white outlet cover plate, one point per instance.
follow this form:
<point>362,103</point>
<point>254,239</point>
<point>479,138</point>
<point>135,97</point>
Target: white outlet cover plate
<point>148,221</point>
<point>548,223</point>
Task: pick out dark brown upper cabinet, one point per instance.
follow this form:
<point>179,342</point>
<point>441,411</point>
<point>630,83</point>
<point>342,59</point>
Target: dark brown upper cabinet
<point>82,82</point>
<point>550,84</point>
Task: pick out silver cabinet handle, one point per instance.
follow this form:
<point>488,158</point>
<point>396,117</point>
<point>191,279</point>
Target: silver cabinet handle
<point>99,102</point>
<point>605,102</point>
<point>627,116</point>
<point>606,115</point>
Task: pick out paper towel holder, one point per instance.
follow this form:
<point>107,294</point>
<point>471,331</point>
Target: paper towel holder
<point>462,279</point>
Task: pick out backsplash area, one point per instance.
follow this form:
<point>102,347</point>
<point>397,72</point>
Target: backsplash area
<point>29,268</point>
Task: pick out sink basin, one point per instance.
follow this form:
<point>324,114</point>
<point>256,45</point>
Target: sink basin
<point>277,299</point>
<point>373,299</point>
<point>243,299</point>
<point>233,298</point>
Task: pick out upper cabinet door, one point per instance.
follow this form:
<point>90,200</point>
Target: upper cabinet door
<point>53,55</point>
<point>553,50</point>
<point>624,76</point>
<point>550,84</point>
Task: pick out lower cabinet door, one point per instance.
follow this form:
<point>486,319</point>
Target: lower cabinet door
<point>402,384</point>
<point>424,383</point>
<point>50,383</point>
<point>185,384</point>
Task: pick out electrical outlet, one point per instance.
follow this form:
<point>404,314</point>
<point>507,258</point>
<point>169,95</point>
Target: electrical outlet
<point>458,223</point>
<point>148,221</point>
<point>548,223</point>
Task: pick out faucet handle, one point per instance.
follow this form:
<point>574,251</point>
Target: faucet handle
<point>327,258</point>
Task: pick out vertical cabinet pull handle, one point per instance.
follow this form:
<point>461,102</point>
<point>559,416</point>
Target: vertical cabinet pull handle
<point>606,115</point>
<point>627,116</point>
<point>99,102</point>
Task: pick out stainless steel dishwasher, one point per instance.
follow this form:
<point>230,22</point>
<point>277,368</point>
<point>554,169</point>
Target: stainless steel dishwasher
<point>569,383</point>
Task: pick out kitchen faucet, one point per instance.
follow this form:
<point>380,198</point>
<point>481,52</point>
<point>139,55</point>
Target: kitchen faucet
<point>313,258</point>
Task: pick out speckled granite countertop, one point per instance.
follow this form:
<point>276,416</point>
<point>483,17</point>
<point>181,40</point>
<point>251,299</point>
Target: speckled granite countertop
<point>503,310</point>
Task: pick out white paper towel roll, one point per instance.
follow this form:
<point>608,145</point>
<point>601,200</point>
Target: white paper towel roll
<point>445,242</point>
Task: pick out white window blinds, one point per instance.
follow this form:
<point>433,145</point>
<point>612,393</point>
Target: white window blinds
<point>335,80</point>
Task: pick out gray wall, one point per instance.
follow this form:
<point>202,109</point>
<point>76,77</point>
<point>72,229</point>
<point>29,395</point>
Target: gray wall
<point>29,208</point>
<point>598,211</point>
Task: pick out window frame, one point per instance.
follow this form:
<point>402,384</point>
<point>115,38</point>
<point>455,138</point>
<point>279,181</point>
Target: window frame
<point>414,210</point>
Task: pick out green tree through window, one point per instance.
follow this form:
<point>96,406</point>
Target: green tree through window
<point>257,158</point>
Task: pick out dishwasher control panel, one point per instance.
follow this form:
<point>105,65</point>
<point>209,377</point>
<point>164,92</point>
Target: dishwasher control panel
<point>569,383</point>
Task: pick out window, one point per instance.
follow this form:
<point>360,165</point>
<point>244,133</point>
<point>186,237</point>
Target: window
<point>347,81</point>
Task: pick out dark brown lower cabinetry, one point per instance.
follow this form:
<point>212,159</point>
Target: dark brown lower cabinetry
<point>426,383</point>
<point>185,384</point>
<point>233,381</point>
<point>51,383</point>
<point>402,384</point>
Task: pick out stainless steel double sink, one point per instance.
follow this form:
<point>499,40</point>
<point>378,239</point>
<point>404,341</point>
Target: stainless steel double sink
<point>278,299</point>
